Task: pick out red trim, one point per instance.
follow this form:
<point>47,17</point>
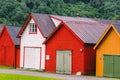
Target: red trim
<point>40,58</point>
<point>56,29</point>
<point>20,53</point>
<point>53,32</point>
<point>72,32</point>
<point>25,25</point>
<point>37,25</point>
<point>23,56</point>
<point>33,32</point>
<point>32,47</point>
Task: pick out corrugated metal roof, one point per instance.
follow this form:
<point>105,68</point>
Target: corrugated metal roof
<point>107,21</point>
<point>80,19</point>
<point>13,31</point>
<point>89,20</point>
<point>87,29</point>
<point>117,26</point>
<point>87,32</point>
<point>45,23</point>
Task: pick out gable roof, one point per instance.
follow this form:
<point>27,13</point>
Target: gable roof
<point>115,26</point>
<point>107,21</point>
<point>67,19</point>
<point>88,32</point>
<point>43,21</point>
<point>91,20</point>
<point>90,35</point>
<point>13,31</point>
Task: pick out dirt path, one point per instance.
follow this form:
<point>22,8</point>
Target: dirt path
<point>44,74</point>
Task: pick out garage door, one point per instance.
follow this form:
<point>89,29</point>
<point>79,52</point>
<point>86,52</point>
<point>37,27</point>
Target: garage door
<point>63,62</point>
<point>112,65</point>
<point>32,58</point>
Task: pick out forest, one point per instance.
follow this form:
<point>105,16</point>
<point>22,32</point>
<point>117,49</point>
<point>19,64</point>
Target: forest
<point>14,12</point>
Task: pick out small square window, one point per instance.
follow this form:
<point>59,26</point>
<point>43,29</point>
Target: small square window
<point>33,28</point>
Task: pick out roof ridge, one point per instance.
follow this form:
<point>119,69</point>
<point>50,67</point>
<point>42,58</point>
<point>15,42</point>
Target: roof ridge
<point>78,22</point>
<point>41,14</point>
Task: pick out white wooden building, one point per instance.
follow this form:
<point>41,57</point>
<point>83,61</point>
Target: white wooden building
<point>34,31</point>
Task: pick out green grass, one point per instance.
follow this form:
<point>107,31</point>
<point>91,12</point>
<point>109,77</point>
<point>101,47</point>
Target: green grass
<point>4,76</point>
<point>34,70</point>
<point>6,67</point>
<point>111,78</point>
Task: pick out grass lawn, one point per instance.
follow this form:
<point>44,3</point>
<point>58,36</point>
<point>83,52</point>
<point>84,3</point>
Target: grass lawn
<point>34,70</point>
<point>6,67</point>
<point>4,76</point>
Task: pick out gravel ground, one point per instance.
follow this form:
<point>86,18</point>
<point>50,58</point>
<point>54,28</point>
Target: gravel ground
<point>53,75</point>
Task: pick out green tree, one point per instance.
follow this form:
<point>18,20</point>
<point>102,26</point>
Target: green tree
<point>14,12</point>
<point>109,9</point>
<point>96,3</point>
<point>116,17</point>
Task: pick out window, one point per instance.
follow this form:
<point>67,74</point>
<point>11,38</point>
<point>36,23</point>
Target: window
<point>33,28</point>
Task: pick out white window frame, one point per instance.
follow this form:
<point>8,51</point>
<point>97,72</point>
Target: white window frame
<point>33,28</point>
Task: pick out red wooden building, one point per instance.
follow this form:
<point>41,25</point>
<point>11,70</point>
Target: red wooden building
<point>69,48</point>
<point>9,46</point>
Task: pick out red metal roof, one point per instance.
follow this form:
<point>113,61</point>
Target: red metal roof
<point>87,32</point>
<point>80,19</point>
<point>45,23</point>
<point>87,29</point>
<point>94,20</point>
<point>107,21</point>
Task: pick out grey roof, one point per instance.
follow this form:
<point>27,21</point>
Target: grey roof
<point>67,19</point>
<point>89,20</point>
<point>45,23</point>
<point>88,29</point>
<point>87,32</point>
<point>13,31</point>
<point>107,21</point>
<point>117,26</point>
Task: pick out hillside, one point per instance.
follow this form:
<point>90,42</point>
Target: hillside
<point>14,12</point>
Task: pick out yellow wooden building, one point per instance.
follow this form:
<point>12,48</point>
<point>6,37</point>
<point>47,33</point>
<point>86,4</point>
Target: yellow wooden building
<point>108,52</point>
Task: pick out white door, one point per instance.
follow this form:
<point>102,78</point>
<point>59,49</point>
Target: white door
<point>63,62</point>
<point>32,58</point>
<point>67,62</point>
